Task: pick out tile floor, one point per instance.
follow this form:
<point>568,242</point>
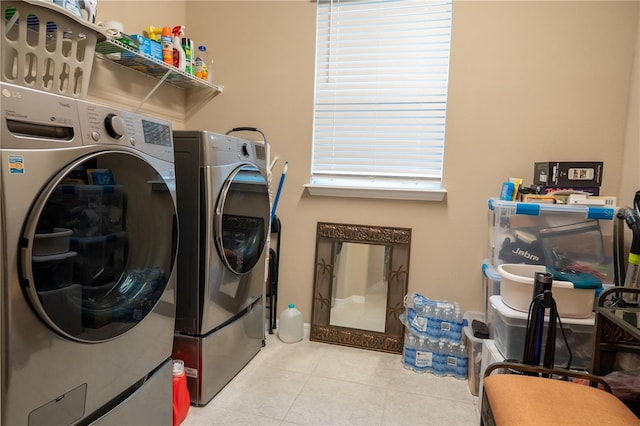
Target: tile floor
<point>310,383</point>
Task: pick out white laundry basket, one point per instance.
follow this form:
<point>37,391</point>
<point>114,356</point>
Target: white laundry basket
<point>46,47</point>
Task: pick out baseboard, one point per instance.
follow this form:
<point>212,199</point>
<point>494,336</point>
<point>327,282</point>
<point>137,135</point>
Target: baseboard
<point>306,329</point>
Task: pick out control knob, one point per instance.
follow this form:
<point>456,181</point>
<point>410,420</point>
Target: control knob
<point>115,126</point>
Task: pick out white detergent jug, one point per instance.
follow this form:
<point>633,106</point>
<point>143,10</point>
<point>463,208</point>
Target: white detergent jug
<point>291,326</point>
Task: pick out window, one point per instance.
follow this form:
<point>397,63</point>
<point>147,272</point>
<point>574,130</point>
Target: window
<point>382,70</point>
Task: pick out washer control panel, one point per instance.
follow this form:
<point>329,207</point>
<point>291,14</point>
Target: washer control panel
<point>33,119</point>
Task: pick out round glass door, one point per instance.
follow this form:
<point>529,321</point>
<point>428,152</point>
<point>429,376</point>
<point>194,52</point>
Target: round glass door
<point>100,246</point>
<point>242,219</point>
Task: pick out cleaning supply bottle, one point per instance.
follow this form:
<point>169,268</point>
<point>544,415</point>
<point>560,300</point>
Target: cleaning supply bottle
<point>204,64</point>
<point>193,56</point>
<point>186,47</point>
<point>179,56</point>
<point>201,63</point>
<point>291,326</point>
<point>181,398</point>
<point>167,46</point>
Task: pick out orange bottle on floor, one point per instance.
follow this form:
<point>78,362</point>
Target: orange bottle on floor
<point>181,399</point>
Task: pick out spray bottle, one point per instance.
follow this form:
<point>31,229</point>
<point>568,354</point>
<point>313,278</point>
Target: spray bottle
<point>188,52</point>
<point>179,56</point>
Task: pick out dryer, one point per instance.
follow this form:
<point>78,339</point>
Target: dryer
<point>224,211</point>
<point>88,243</point>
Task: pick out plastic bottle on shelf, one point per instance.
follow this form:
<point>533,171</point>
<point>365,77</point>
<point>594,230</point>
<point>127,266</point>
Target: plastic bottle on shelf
<point>186,47</point>
<point>200,66</point>
<point>291,326</point>
<point>192,47</point>
<point>210,70</point>
<point>179,55</point>
<point>204,65</point>
<point>167,46</point>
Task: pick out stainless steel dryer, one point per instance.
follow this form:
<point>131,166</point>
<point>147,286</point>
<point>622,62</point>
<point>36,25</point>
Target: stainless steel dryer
<point>88,245</point>
<point>223,206</point>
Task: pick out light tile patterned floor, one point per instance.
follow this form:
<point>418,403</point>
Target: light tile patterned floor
<point>310,383</point>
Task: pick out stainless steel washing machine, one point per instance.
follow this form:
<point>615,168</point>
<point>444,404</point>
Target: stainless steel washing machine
<point>88,242</point>
<point>224,211</point>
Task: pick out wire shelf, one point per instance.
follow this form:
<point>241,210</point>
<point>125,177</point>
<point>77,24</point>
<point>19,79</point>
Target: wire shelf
<point>116,51</point>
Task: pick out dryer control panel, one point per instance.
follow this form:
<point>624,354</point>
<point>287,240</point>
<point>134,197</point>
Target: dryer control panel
<point>218,148</point>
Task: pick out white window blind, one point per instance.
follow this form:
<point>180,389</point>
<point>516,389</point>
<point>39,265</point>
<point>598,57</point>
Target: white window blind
<point>382,70</point>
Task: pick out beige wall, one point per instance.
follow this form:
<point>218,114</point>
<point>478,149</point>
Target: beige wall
<point>529,81</point>
<point>631,159</point>
<point>115,85</point>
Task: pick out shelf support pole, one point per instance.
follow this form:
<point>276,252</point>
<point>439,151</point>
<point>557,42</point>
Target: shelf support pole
<point>152,91</point>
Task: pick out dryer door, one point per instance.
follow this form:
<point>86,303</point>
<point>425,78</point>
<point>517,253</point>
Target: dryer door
<point>99,246</point>
<point>242,219</point>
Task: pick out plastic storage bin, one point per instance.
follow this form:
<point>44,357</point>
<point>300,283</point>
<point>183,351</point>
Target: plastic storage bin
<point>516,290</point>
<point>490,285</point>
<point>55,242</point>
<point>490,355</point>
<point>100,259</point>
<point>576,236</point>
<point>63,306</point>
<point>54,271</point>
<point>474,351</point>
<point>88,210</point>
<point>46,47</point>
<point>510,326</point>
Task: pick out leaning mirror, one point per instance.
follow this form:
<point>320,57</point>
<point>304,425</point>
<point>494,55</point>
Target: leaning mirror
<point>361,275</point>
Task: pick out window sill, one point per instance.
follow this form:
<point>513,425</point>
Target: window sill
<point>380,193</point>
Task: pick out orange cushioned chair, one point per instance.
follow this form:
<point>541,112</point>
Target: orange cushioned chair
<point>520,399</point>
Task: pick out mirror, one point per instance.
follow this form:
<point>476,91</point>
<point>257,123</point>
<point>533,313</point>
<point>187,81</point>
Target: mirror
<point>361,276</point>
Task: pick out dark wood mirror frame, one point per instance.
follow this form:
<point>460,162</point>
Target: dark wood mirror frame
<point>399,240</point>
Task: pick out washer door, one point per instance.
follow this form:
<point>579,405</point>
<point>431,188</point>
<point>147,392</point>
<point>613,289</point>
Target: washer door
<point>242,219</point>
<point>99,246</point>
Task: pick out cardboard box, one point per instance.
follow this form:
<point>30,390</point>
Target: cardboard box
<point>578,174</point>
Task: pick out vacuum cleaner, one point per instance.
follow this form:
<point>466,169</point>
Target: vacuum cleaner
<point>631,216</point>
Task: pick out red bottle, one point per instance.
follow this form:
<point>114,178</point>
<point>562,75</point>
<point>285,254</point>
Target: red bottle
<point>181,399</point>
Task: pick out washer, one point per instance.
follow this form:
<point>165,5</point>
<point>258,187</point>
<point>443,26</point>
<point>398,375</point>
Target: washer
<point>89,239</point>
<point>224,211</point>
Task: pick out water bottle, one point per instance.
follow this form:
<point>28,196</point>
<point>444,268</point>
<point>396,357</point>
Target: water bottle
<point>445,324</point>
<point>409,351</point>
<point>423,356</point>
<point>291,325</point>
<point>417,322</point>
<point>452,359</point>
<point>433,323</point>
<point>439,359</point>
<point>457,323</point>
<point>463,362</point>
